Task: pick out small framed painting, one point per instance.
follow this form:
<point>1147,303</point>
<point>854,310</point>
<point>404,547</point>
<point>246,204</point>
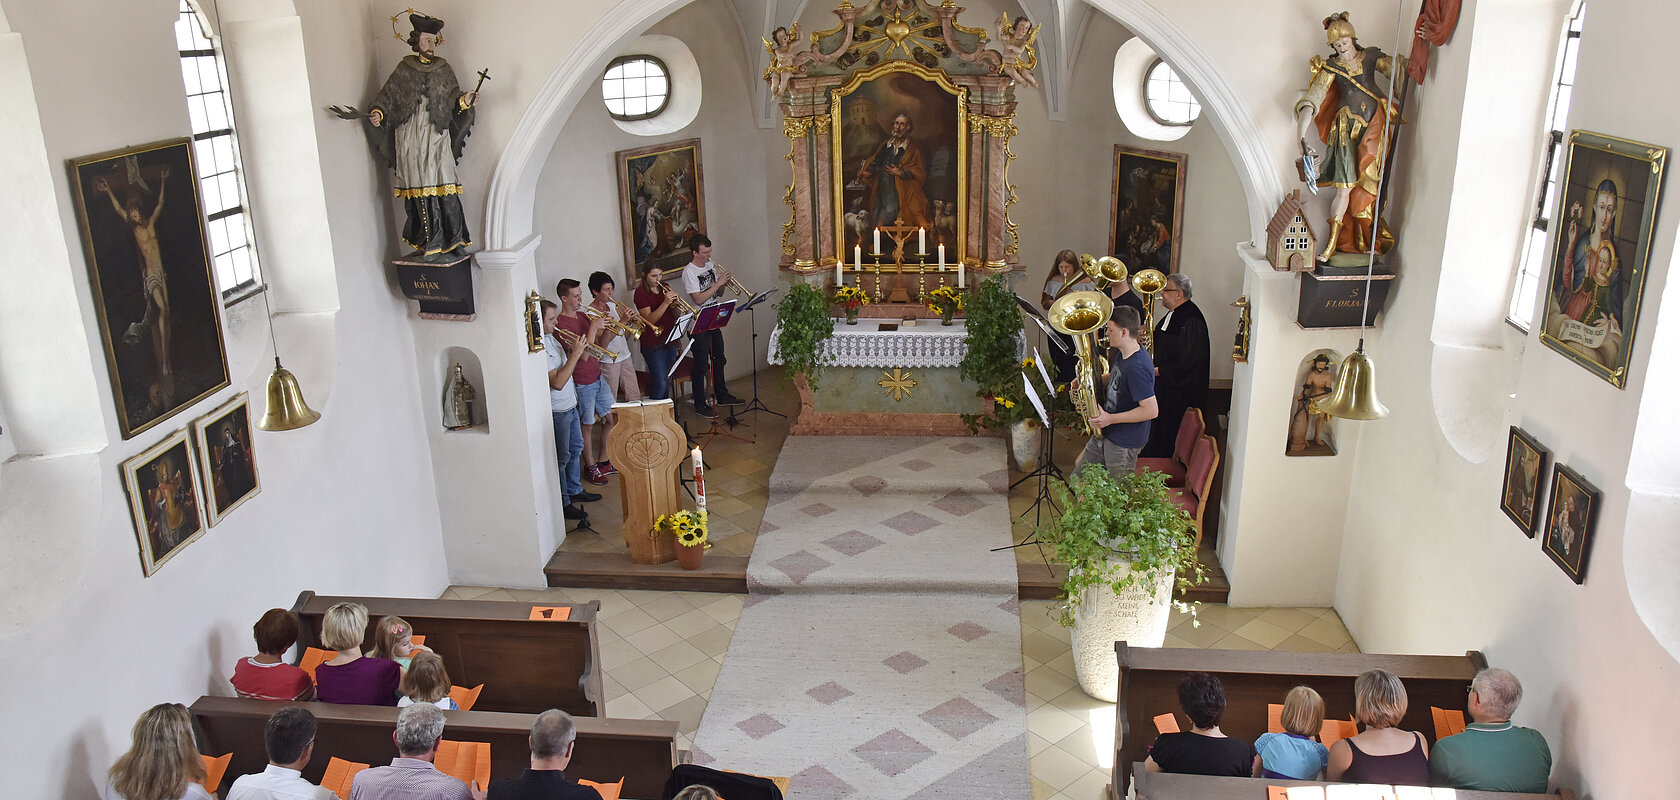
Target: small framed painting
<point>223,438</point>
<point>1571,521</point>
<point>162,485</point>
<point>1525,465</point>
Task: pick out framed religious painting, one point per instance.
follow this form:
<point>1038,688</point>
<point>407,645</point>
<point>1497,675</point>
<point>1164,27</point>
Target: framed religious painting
<point>162,485</point>
<point>1571,522</point>
<point>223,438</point>
<point>661,200</point>
<point>158,309</point>
<point>1601,240</point>
<point>900,158</point>
<point>1525,467</point>
<point>1146,215</point>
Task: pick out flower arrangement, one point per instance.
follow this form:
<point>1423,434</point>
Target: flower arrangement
<point>945,300</point>
<point>850,298</point>
<point>1011,405</point>
<point>689,527</point>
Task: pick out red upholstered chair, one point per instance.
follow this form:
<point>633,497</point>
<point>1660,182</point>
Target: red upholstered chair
<point>1192,497</point>
<point>1190,428</point>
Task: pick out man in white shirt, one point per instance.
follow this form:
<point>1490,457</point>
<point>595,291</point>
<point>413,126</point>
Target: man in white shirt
<point>563,406</point>
<point>702,280</point>
<point>289,738</point>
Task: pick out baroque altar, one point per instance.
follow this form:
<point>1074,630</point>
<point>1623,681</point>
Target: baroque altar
<point>899,119</point>
<point>886,378</point>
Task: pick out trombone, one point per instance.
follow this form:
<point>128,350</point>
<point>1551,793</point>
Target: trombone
<point>617,326</point>
<point>568,339</point>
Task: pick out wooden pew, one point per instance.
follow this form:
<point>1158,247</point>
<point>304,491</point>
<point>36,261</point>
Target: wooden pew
<point>640,751</point>
<point>1164,786</point>
<point>526,666</point>
<point>1149,679</point>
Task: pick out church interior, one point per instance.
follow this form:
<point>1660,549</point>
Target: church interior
<point>1395,538</point>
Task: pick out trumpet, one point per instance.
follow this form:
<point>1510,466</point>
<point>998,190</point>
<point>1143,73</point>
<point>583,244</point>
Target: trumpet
<point>735,283</point>
<point>683,306</point>
<point>636,320</point>
<point>568,339</point>
<point>617,326</point>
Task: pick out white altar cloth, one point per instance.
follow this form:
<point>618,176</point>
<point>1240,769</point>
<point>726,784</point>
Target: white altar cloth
<point>928,344</point>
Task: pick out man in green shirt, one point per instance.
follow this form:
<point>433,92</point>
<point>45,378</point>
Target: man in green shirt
<point>1492,754</point>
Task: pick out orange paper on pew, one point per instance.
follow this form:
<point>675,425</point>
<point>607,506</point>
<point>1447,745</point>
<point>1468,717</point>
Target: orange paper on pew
<point>1335,730</point>
<point>1166,723</point>
<point>314,657</point>
<point>1274,718</point>
<point>609,791</point>
<point>417,640</point>
<point>465,698</point>
<point>214,768</point>
<point>1447,722</point>
<point>339,775</point>
<point>551,613</point>
<point>468,761</point>
<point>1277,793</point>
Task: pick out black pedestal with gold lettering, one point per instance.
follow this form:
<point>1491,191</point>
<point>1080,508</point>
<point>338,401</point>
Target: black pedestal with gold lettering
<point>442,288</point>
<point>1334,297</point>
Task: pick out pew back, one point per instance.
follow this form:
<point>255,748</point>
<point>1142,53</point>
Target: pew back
<point>1165,786</point>
<point>640,751</point>
<point>1149,679</point>
<point>526,666</point>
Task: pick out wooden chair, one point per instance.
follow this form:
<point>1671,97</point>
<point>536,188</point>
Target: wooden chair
<point>1192,497</point>
<point>1190,429</point>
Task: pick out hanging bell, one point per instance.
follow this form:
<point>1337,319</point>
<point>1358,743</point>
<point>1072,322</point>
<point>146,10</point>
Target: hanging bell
<point>1355,392</point>
<point>287,410</point>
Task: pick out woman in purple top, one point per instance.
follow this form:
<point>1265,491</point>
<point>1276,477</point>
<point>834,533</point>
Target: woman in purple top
<point>1382,753</point>
<point>351,677</point>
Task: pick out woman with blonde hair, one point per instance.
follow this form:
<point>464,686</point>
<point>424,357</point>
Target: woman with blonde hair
<point>1064,269</point>
<point>427,682</point>
<point>1382,753</point>
<point>349,677</point>
<point>163,763</point>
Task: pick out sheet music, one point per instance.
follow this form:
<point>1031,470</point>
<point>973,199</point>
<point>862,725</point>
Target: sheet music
<point>759,298</point>
<point>679,328</point>
<point>680,357</point>
<point>1032,395</point>
<point>1042,372</point>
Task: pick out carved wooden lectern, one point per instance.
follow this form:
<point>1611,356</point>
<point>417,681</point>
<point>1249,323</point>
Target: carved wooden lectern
<point>646,446</point>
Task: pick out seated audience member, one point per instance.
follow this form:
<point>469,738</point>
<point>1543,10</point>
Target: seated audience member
<point>162,764</point>
<point>1492,755</point>
<point>697,793</point>
<point>411,775</point>
<point>266,676</point>
<point>1204,750</point>
<point>393,638</point>
<point>427,682</point>
<point>289,739</point>
<point>1382,753</point>
<point>1293,755</point>
<point>350,677</point>
<point>552,737</point>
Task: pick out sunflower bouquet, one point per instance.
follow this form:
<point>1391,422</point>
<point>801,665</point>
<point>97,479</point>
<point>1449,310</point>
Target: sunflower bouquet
<point>850,298</point>
<point>1011,405</point>
<point>688,526</point>
<point>945,300</point>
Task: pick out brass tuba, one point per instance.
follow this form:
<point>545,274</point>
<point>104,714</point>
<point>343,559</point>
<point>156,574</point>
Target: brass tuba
<point>1081,315</point>
<point>1102,272</point>
<point>1149,283</point>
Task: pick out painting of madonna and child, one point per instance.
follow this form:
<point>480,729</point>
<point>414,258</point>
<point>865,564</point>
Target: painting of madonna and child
<point>1600,241</point>
<point>898,139</point>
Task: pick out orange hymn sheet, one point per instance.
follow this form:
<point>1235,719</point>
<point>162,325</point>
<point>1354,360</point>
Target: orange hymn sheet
<point>1166,723</point>
<point>551,613</point>
<point>1447,722</point>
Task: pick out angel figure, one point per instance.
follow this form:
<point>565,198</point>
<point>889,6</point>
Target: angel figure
<point>785,61</point>
<point>1017,38</point>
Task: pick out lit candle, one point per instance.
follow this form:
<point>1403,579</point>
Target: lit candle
<point>942,258</point>
<point>857,257</point>
<point>839,273</point>
<point>921,240</point>
<point>877,241</point>
<point>699,479</point>
<point>962,279</point>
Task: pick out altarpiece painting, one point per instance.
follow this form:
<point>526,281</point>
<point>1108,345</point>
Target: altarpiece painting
<point>662,199</point>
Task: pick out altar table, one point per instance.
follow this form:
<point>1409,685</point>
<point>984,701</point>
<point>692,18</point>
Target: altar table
<point>903,381</point>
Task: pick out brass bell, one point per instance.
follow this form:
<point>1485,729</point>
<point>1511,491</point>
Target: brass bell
<point>287,410</point>
<point>1355,392</point>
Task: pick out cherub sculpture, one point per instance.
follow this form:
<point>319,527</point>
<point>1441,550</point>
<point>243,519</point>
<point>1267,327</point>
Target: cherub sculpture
<point>1016,38</point>
<point>786,60</point>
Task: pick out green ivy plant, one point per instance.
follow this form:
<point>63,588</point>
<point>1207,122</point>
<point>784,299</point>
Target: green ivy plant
<point>994,328</point>
<point>1107,523</point>
<point>804,324</point>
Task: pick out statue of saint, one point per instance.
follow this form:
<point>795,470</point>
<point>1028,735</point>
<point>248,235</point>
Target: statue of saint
<point>1345,100</point>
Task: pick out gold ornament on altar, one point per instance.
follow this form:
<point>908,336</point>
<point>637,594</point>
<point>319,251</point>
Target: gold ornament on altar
<point>897,383</point>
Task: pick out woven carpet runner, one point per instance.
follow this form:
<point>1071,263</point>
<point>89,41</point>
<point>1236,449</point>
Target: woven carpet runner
<point>878,654</point>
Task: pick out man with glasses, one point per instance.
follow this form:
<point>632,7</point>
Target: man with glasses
<point>1182,363</point>
<point>1491,754</point>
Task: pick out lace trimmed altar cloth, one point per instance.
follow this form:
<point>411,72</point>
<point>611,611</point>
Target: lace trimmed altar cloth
<point>927,344</point>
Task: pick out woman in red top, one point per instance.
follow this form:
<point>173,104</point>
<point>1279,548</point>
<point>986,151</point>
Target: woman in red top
<point>654,303</point>
<point>265,676</point>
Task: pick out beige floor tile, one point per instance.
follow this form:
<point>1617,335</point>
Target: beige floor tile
<point>1204,635</point>
<point>641,672</point>
<point>686,714</point>
<point>1048,683</point>
<point>1052,723</point>
<point>1235,642</point>
<point>1327,630</point>
<point>1262,633</point>
<point>612,688</point>
<point>665,692</point>
<point>1080,745</point>
<point>629,707</point>
<point>629,621</point>
<point>653,638</point>
<point>1350,647</point>
<point>1042,646</point>
<point>1301,644</point>
<point>1063,663</point>
<point>713,641</point>
<point>1290,619</point>
<point>1089,786</point>
<point>1042,790</point>
<point>690,622</point>
<point>473,592</point>
<point>1035,744</point>
<point>618,654</point>
<point>701,676</point>
<point>667,607</point>
<point>496,594</point>
<point>1057,767</point>
<point>449,594</point>
<point>726,608</point>
<point>1075,701</point>
<point>1175,641</point>
<point>1224,616</point>
<point>679,656</point>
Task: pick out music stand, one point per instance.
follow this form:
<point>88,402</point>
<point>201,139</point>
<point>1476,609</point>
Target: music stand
<point>751,307</point>
<point>1047,469</point>
<point>713,317</point>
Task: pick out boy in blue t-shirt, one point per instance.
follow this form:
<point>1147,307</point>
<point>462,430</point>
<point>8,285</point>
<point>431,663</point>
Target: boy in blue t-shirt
<point>1128,399</point>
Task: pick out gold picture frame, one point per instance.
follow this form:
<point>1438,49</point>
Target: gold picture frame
<point>1147,185</point>
<point>228,464</point>
<point>164,500</point>
<point>661,200</point>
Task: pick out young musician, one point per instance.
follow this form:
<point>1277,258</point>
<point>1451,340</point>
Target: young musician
<point>702,280</point>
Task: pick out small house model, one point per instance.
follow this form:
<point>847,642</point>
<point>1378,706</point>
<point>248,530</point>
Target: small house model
<point>1290,242</point>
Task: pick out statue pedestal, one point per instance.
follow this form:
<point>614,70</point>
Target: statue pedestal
<point>646,446</point>
<point>443,289</point>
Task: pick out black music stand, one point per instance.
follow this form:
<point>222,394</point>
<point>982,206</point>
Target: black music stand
<point>1047,469</point>
<point>712,317</point>
<point>751,307</point>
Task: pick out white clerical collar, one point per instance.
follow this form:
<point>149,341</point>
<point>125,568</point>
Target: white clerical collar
<point>1167,318</point>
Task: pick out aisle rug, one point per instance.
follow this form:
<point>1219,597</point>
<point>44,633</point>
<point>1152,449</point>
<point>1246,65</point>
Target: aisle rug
<point>878,654</point>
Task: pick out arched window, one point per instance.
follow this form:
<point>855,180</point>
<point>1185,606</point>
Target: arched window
<point>221,180</point>
<point>1169,101</point>
<point>636,87</point>
<point>1531,261</point>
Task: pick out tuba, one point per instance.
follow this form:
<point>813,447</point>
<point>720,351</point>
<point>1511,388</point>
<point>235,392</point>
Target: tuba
<point>1149,283</point>
<point>1102,272</point>
<point>1081,315</point>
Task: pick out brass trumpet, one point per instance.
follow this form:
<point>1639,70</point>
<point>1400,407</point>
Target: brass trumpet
<point>617,326</point>
<point>735,283</point>
<point>1102,271</point>
<point>1149,283</point>
<point>568,338</point>
<point>636,320</point>
<point>1081,315</point>
<point>683,306</point>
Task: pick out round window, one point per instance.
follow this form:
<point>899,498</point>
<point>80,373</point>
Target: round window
<point>636,87</point>
<point>1169,101</point>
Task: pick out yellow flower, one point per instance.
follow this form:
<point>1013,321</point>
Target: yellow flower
<point>1028,364</point>
<point>1006,403</point>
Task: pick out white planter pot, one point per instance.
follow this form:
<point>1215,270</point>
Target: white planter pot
<point>1137,617</point>
<point>1023,443</point>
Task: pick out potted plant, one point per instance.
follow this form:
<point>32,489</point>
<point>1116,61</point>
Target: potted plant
<point>691,530</point>
<point>1126,545</point>
<point>947,302</point>
<point>851,299</point>
<point>802,326</point>
<point>1014,411</point>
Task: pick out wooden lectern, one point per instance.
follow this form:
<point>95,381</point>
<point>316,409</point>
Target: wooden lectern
<point>646,446</point>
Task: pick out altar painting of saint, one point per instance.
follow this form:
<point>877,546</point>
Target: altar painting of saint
<point>1146,222</point>
<point>661,201</point>
<point>162,485</point>
<point>899,161</point>
<point>1601,235</point>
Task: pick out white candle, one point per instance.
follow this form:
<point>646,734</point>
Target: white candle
<point>857,257</point>
<point>699,479</point>
<point>942,258</point>
<point>962,279</point>
<point>839,273</point>
<point>877,241</point>
<point>921,240</point>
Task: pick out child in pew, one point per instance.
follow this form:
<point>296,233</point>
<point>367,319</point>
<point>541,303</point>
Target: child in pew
<point>351,677</point>
<point>1293,755</point>
<point>426,681</point>
<point>163,763</point>
<point>393,638</point>
<point>266,675</point>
